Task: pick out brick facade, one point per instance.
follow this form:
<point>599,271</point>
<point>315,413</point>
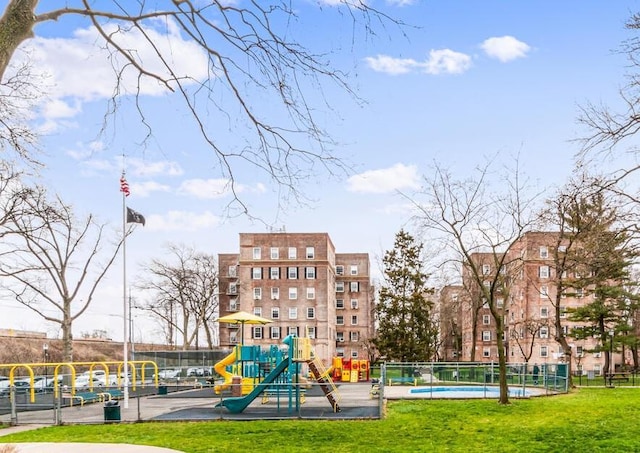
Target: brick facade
<point>300,283</point>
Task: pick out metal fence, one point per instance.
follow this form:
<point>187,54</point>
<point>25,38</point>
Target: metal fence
<point>547,376</point>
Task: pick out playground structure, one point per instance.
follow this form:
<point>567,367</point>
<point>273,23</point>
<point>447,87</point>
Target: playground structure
<point>250,371</point>
<point>71,366</point>
<point>350,370</point>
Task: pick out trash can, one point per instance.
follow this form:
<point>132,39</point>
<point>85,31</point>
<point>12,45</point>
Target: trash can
<point>111,411</point>
<point>162,390</point>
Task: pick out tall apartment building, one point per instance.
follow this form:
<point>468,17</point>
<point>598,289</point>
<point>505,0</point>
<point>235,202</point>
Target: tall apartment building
<point>300,283</point>
<point>529,311</point>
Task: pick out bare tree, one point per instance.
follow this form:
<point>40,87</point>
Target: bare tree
<point>183,293</point>
<point>256,79</point>
<point>524,334</point>
<point>478,227</point>
<point>49,261</point>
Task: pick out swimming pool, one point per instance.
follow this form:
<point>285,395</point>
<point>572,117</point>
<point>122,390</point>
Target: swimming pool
<point>464,391</point>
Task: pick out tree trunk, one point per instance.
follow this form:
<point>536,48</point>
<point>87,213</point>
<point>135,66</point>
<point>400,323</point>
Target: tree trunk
<point>16,26</point>
<point>502,361</point>
<point>67,334</point>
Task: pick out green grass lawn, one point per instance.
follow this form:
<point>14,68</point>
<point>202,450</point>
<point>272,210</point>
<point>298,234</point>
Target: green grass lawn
<point>588,420</point>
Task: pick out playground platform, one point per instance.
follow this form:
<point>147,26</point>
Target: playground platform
<point>199,404</point>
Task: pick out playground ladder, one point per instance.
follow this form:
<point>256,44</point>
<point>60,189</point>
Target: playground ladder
<point>326,383</point>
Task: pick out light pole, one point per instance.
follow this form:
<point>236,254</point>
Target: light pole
<point>611,365</point>
<point>45,352</point>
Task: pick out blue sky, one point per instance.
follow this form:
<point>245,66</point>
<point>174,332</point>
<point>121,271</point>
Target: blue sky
<point>471,79</point>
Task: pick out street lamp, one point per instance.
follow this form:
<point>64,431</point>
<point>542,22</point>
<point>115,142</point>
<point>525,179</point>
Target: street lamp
<point>611,365</point>
<point>45,351</point>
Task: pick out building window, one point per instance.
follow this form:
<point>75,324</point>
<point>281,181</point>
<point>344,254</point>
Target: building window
<point>275,293</point>
<point>354,336</point>
<point>311,332</point>
<point>275,313</point>
<point>232,271</point>
<point>292,330</point>
<point>293,312</point>
<point>257,333</point>
<point>292,273</point>
<point>340,337</point>
<point>257,311</point>
<point>233,288</point>
<point>543,272</point>
<point>340,320</point>
<point>544,351</point>
<point>339,270</point>
<point>579,351</point>
<point>354,320</point>
<point>544,252</point>
<point>339,287</point>
<point>233,336</point>
<point>256,273</point>
<point>354,269</point>
<point>579,293</point>
<point>340,304</point>
<point>354,287</point>
<point>486,269</point>
<point>233,304</point>
<point>311,253</point>
<point>544,291</point>
<point>274,273</point>
<point>310,272</point>
<point>544,332</point>
<point>275,254</point>
<point>311,293</point>
<point>486,320</point>
<point>339,352</point>
<point>486,335</point>
<point>293,293</point>
<point>257,293</point>
<point>499,303</point>
<point>354,354</point>
<point>256,253</point>
<point>562,248</point>
<point>275,332</point>
<point>563,311</point>
<point>486,352</point>
<point>311,313</point>
<point>354,304</point>
<point>544,312</point>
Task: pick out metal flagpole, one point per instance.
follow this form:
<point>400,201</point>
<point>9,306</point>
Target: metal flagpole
<point>125,352</point>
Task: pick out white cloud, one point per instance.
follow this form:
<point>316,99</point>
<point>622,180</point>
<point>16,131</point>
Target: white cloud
<point>78,70</point>
<point>145,168</point>
<point>205,188</point>
<point>144,189</point>
<point>182,221</point>
<point>443,61</point>
<point>505,48</point>
<point>401,2</point>
<point>385,180</point>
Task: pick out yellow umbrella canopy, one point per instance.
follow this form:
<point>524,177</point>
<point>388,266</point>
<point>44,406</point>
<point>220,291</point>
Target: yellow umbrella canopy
<point>242,318</point>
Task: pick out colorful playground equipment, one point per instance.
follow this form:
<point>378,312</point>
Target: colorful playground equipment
<point>250,371</point>
<point>350,370</point>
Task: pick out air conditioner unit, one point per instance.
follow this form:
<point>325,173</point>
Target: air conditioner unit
<point>340,340</point>
<point>597,354</point>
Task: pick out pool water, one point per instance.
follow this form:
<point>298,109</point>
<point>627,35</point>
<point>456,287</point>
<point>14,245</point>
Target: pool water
<point>471,391</point>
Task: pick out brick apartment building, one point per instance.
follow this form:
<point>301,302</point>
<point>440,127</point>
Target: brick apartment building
<point>529,312</point>
<point>300,283</point>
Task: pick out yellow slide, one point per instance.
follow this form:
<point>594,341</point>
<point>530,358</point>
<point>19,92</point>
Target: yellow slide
<point>220,368</point>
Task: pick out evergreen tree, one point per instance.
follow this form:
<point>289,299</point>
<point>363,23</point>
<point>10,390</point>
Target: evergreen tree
<point>407,330</point>
<point>601,273</point>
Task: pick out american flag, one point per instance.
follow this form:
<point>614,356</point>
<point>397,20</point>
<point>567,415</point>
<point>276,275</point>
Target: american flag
<point>124,186</point>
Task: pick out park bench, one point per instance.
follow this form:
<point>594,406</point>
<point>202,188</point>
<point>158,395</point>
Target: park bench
<point>617,377</point>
